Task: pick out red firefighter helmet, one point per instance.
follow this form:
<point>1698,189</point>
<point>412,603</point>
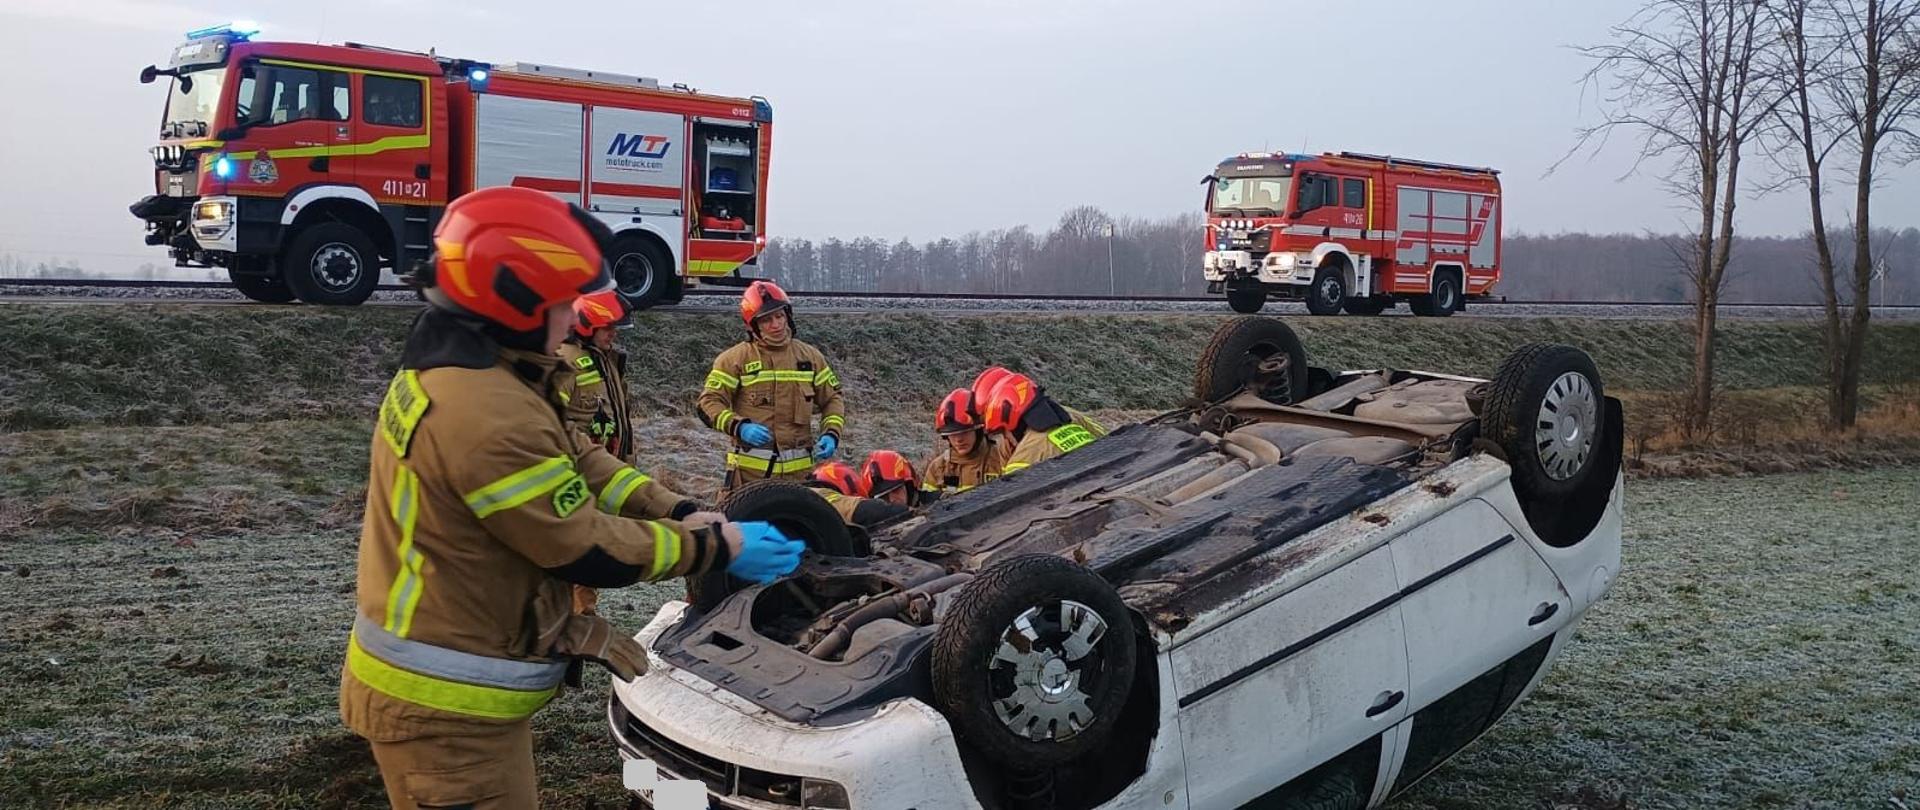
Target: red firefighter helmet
<point>886,470</point>
<point>761,299</point>
<point>956,414</point>
<point>598,310</point>
<point>840,477</point>
<point>1009,401</point>
<point>983,385</point>
<point>509,254</point>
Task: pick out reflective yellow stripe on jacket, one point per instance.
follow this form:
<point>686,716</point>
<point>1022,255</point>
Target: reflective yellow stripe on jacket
<point>758,377</point>
<point>404,505</point>
<point>426,675</point>
<point>742,461</point>
<point>621,487</point>
<point>518,488</point>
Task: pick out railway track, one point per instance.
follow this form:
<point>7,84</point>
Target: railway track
<point>714,300</point>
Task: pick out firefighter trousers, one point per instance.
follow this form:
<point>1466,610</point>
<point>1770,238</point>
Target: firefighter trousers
<point>474,772</point>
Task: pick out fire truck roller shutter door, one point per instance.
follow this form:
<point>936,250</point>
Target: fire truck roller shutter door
<point>637,162</point>
<point>1413,227</point>
<point>531,143</point>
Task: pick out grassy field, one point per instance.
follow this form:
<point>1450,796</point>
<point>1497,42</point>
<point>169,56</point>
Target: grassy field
<point>173,365</point>
<point>178,599</point>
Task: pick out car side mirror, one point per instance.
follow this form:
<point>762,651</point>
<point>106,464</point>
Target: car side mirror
<point>148,74</point>
<point>1211,178</point>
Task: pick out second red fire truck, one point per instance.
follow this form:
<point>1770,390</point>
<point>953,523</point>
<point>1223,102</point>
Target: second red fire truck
<point>1354,232</point>
<point>304,170</point>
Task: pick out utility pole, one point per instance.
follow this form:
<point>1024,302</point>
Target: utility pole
<point>1112,290</point>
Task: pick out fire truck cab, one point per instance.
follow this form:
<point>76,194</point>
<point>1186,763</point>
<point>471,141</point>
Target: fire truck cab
<point>1351,231</point>
<point>305,170</point>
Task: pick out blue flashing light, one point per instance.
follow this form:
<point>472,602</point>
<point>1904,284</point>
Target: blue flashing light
<point>477,75</point>
<point>238,29</point>
<point>223,167</point>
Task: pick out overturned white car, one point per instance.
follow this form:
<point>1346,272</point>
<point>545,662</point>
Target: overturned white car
<point>1304,590</point>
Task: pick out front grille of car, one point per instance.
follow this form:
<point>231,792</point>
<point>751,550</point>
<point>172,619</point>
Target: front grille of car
<point>721,777</point>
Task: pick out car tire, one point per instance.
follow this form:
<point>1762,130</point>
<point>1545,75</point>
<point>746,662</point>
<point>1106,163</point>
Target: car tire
<point>641,271</point>
<point>331,264</point>
<point>1055,606</point>
<point>797,511</point>
<point>1233,360</point>
<point>1247,299</point>
<point>267,289</point>
<point>1369,305</point>
<point>1546,410</point>
<point>1328,293</point>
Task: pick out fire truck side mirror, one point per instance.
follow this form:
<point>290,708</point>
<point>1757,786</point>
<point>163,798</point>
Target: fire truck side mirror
<point>148,74</point>
<point>1211,178</point>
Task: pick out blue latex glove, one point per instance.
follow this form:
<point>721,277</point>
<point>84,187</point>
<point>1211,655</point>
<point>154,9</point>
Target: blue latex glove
<point>765,554</point>
<point>756,435</point>
<point>823,449</point>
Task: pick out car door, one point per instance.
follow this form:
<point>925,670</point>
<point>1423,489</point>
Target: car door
<point>392,147</point>
<point>1477,601</point>
<point>1292,684</point>
<point>290,122</point>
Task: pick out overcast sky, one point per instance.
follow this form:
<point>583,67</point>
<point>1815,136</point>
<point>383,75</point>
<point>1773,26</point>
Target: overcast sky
<point>921,119</point>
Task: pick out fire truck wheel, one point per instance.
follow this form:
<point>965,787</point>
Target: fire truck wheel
<point>267,289</point>
<point>641,270</point>
<point>331,263</point>
<point>1247,300</point>
<point>1328,293</point>
<point>1444,299</point>
<point>1371,305</point>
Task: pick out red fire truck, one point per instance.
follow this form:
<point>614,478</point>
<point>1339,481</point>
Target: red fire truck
<point>305,169</point>
<point>1351,231</point>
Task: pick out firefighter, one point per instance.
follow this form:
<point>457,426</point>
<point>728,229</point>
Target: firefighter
<point>983,386</point>
<point>970,456</point>
<point>890,478</point>
<point>763,393</point>
<point>482,508</point>
<point>593,396</point>
<point>846,489</point>
<point>1040,427</point>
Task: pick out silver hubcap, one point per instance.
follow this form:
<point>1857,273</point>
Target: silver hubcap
<point>1569,416</point>
<point>1330,291</point>
<point>1047,656</point>
<point>336,266</point>
<point>633,274</point>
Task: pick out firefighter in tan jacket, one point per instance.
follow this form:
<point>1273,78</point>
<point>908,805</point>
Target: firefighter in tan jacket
<point>764,393</point>
<point>593,395</point>
<point>482,508</point>
<point>970,456</point>
<point>1041,428</point>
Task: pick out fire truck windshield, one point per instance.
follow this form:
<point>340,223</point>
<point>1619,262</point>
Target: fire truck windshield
<point>1250,196</point>
<point>191,113</point>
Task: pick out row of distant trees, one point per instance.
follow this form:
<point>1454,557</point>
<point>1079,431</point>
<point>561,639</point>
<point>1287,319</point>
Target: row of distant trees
<point>1161,257</point>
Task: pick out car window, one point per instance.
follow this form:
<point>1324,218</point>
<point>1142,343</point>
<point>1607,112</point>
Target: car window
<point>278,94</point>
<point>1342,783</point>
<point>392,102</point>
<point>1453,721</point>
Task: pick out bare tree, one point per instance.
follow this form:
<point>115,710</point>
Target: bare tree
<point>1680,74</point>
<point>1875,89</point>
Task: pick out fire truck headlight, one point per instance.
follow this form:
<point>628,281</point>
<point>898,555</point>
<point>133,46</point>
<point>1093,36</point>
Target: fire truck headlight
<point>212,210</point>
<point>1283,261</point>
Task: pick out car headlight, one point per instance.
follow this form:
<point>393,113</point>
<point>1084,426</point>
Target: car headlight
<point>820,794</point>
<point>1283,261</point>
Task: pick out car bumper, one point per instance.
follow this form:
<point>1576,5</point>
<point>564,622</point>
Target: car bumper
<point>903,755</point>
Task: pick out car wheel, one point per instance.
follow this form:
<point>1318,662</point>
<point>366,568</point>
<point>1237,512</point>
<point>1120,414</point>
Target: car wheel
<point>1034,661</point>
<point>1247,299</point>
<point>331,263</point>
<point>794,508</point>
<point>267,289</point>
<point>1328,293</point>
<point>1545,410</point>
<point>1259,354</point>
<point>641,271</point>
<point>1370,305</point>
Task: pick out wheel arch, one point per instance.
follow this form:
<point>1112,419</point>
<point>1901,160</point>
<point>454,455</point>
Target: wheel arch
<point>1335,252</point>
<point>352,210</point>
